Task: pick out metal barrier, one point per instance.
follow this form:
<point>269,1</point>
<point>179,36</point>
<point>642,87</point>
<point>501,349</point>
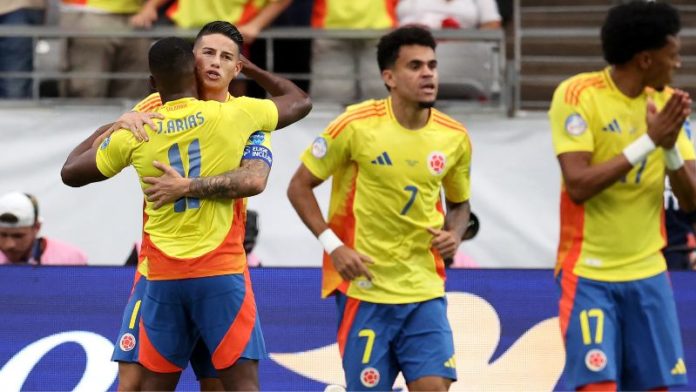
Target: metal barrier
<point>495,38</point>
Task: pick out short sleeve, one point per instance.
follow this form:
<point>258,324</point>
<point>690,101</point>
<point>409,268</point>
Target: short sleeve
<point>457,181</point>
<point>488,11</point>
<point>263,112</point>
<point>570,131</point>
<point>114,154</point>
<point>685,142</point>
<point>258,147</point>
<point>151,103</point>
<point>329,151</point>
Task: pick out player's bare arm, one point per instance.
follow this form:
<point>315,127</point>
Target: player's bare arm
<point>246,181</point>
<point>584,180</point>
<point>348,263</point>
<point>447,240</point>
<point>80,168</point>
<point>292,102</point>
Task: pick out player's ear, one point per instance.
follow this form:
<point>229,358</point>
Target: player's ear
<point>152,83</point>
<point>645,59</point>
<point>388,78</point>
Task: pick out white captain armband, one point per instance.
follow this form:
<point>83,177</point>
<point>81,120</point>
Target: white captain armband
<point>329,240</point>
<point>639,149</point>
<point>673,159</point>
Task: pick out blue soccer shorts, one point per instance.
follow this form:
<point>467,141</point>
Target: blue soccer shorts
<point>126,348</point>
<point>219,310</point>
<point>625,332</point>
<point>379,340</point>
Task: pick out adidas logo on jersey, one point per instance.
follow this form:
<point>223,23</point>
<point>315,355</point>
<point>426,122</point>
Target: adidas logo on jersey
<point>382,159</point>
<point>450,363</point>
<point>613,126</point>
<point>679,368</point>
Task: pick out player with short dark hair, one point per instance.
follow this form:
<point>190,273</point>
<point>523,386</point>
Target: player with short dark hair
<point>387,232</point>
<point>617,133</point>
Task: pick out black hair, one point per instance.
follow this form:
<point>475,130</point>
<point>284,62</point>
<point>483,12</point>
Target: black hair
<point>637,26</point>
<point>221,27</point>
<point>390,44</point>
<point>172,63</point>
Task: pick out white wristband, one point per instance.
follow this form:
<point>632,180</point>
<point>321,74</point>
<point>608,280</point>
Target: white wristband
<point>673,159</point>
<point>329,240</point>
<point>639,149</point>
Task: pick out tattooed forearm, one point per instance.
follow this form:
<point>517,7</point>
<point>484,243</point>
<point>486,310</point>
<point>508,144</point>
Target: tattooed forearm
<point>246,181</point>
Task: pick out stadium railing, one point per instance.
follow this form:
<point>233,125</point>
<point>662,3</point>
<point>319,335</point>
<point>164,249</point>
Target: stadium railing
<point>499,88</point>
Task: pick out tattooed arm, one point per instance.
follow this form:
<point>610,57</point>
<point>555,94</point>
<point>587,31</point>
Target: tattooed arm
<point>246,181</point>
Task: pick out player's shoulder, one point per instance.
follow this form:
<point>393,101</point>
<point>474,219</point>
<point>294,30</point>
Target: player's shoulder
<point>445,122</point>
<point>149,104</point>
<point>357,115</point>
<point>575,87</point>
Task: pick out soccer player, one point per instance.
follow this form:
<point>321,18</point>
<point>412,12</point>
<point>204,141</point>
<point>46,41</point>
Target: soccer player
<point>387,233</point>
<point>617,133</point>
<point>218,62</point>
<point>198,281</point>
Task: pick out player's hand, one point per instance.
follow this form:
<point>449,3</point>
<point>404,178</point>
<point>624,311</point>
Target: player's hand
<point>350,264</point>
<point>664,126</point>
<point>249,32</point>
<point>167,188</point>
<point>445,242</point>
<point>145,18</point>
<point>135,122</point>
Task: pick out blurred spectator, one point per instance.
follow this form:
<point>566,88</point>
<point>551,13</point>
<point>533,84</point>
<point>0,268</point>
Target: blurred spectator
<point>18,52</point>
<point>680,251</point>
<point>19,235</point>
<point>452,14</point>
<point>335,63</point>
<point>251,233</point>
<point>104,54</point>
<point>468,70</point>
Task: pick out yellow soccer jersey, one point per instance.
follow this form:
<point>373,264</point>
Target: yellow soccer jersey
<point>385,194</point>
<point>617,234</point>
<point>194,237</point>
<point>354,14</point>
<point>196,13</point>
<point>111,6</point>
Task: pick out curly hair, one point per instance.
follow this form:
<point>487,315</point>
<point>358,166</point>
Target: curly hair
<point>637,26</point>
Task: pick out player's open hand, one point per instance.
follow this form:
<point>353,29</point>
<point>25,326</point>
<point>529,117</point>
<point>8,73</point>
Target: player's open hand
<point>145,18</point>
<point>664,125</point>
<point>135,122</point>
<point>350,264</point>
<point>167,188</point>
<point>445,242</point>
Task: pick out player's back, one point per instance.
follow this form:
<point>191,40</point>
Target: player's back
<point>192,237</point>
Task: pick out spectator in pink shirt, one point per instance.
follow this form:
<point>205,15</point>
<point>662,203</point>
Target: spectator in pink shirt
<point>19,235</point>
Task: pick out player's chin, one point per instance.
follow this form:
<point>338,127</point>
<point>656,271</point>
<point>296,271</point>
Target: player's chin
<point>426,104</point>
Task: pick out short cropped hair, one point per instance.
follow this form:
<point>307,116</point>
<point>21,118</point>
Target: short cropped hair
<point>221,27</point>
<point>390,44</point>
<point>637,26</point>
<point>171,58</point>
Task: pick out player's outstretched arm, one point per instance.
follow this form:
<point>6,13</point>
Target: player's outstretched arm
<point>292,102</point>
<point>80,168</point>
<point>348,263</point>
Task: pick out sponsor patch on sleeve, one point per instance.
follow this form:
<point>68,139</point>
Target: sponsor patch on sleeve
<point>575,125</point>
<point>319,147</point>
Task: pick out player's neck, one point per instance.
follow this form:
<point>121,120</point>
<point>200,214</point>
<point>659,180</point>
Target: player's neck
<point>219,95</point>
<point>630,83</point>
<point>168,97</point>
<point>409,114</point>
